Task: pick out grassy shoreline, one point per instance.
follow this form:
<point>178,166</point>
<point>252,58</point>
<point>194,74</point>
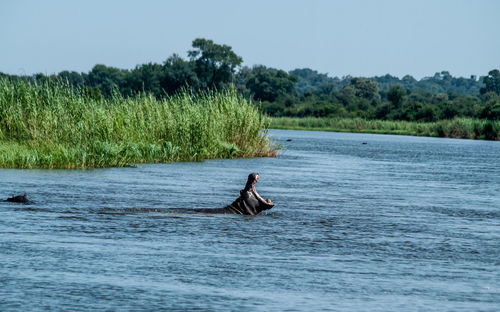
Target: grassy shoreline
<point>55,126</point>
<point>463,128</point>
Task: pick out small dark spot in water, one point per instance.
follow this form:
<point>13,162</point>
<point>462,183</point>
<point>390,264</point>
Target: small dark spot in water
<point>23,199</point>
<point>365,143</point>
<point>289,140</point>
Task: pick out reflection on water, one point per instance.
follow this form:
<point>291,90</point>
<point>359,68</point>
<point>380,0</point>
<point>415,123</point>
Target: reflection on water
<point>399,223</point>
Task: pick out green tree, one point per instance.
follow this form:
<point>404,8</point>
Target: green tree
<point>491,109</point>
<point>365,89</point>
<point>268,84</point>
<point>426,114</point>
<point>449,111</point>
<point>73,78</point>
<point>240,81</point>
<point>215,64</point>
<point>396,96</point>
<point>106,79</point>
<point>145,77</point>
<point>382,111</point>
<point>178,73</point>
<point>310,79</point>
<point>492,82</point>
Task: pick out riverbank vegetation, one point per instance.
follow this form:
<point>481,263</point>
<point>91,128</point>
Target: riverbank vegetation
<point>438,105</point>
<point>463,128</point>
<point>55,125</point>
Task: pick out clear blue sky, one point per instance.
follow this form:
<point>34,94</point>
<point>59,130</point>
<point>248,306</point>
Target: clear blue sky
<point>355,37</point>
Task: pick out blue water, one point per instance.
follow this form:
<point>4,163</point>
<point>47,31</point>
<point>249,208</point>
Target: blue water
<point>397,224</point>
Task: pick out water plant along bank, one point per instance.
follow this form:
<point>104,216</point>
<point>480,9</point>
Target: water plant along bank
<point>53,125</point>
<point>463,128</point>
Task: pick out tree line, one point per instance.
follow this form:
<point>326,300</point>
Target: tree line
<point>389,98</point>
<point>297,93</point>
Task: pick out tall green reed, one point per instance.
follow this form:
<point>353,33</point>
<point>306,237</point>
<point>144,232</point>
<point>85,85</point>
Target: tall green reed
<point>53,125</point>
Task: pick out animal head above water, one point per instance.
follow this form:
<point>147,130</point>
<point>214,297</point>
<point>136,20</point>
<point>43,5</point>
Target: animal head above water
<point>251,178</point>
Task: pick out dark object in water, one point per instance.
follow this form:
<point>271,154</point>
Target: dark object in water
<point>289,140</point>
<point>246,204</point>
<point>18,199</point>
<point>249,202</point>
<point>364,143</point>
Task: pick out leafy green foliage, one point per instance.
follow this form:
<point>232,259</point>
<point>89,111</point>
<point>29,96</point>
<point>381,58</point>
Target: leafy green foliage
<point>361,97</point>
<point>215,64</point>
<point>492,82</point>
<point>309,80</point>
<point>267,84</point>
<point>178,74</point>
<point>491,108</point>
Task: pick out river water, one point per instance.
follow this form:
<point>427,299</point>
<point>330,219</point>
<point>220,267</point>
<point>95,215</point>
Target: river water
<point>396,224</point>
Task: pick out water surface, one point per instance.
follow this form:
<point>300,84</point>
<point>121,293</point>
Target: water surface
<point>399,223</point>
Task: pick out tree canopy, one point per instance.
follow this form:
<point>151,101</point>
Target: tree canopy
<point>299,92</point>
<point>492,82</point>
<point>268,84</point>
<point>214,64</point>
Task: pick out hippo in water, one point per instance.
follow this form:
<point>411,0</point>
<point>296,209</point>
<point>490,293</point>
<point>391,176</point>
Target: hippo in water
<point>249,202</point>
<point>18,199</point>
